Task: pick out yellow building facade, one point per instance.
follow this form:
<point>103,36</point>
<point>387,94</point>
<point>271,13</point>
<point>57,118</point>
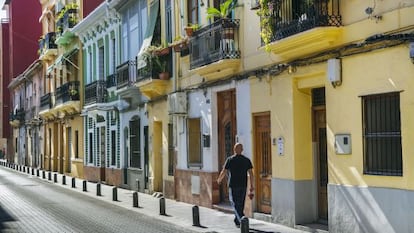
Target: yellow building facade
<point>60,104</point>
<point>338,99</point>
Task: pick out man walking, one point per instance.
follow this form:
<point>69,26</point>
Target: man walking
<point>237,166</point>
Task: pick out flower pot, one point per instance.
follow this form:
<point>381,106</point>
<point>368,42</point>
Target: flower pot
<point>164,75</point>
<point>189,31</point>
<point>162,52</point>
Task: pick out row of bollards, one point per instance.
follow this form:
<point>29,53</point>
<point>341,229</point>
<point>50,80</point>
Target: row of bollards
<point>244,223</point>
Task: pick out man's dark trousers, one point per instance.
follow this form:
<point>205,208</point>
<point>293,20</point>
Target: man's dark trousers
<point>237,197</point>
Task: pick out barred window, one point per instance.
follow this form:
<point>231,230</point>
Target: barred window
<point>170,150</point>
<point>382,134</point>
<point>135,143</point>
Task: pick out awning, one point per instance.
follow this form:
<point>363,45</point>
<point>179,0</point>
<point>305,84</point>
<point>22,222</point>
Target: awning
<point>153,13</point>
<point>66,56</point>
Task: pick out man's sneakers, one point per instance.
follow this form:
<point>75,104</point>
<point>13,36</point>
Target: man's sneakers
<point>237,222</point>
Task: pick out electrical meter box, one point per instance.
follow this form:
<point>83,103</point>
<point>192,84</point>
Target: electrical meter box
<point>343,144</point>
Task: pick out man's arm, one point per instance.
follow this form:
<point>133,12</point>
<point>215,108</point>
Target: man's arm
<point>250,172</point>
<point>221,176</point>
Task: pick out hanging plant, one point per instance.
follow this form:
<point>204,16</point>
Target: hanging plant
<point>265,13</point>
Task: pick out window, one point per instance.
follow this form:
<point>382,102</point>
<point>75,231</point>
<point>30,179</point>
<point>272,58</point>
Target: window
<point>382,134</point>
<point>90,148</point>
<point>170,150</point>
<point>135,143</point>
<point>113,55</point>
<point>101,62</point>
<point>90,67</point>
<point>134,23</point>
<point>70,145</point>
<point>194,141</point>
<point>76,144</point>
<point>113,147</point>
<point>192,11</point>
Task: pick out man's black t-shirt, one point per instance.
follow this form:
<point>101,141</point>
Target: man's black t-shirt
<point>238,165</point>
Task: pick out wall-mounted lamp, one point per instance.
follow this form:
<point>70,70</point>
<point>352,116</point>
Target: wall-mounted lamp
<point>291,69</point>
<point>370,12</point>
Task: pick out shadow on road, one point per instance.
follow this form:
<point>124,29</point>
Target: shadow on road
<point>259,231</point>
<point>4,217</point>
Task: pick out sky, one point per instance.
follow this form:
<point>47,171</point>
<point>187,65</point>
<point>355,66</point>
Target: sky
<point>2,13</point>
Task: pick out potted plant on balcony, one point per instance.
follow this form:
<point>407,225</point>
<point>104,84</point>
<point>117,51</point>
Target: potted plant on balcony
<point>179,43</point>
<point>74,94</point>
<point>160,65</point>
<point>265,13</point>
<point>222,14</point>
<point>190,28</point>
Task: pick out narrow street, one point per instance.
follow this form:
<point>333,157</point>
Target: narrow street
<point>28,204</point>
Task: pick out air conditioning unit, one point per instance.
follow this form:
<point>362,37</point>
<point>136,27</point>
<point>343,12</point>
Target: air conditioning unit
<point>177,103</point>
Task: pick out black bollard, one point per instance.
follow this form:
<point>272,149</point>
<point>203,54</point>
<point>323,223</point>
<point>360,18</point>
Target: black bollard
<point>55,178</point>
<point>43,174</point>
<point>162,206</point>
<point>64,180</point>
<point>114,194</point>
<point>84,186</point>
<point>244,225</point>
<point>73,182</point>
<point>33,171</point>
<point>196,216</point>
<point>98,189</point>
<point>135,199</point>
<point>24,169</point>
<point>37,172</point>
<point>49,176</point>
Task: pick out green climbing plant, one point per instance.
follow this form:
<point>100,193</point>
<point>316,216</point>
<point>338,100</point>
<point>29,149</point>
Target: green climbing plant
<point>266,27</point>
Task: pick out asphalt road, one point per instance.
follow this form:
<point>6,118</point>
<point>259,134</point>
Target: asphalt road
<point>28,204</point>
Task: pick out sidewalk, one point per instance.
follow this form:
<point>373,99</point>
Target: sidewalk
<point>178,213</point>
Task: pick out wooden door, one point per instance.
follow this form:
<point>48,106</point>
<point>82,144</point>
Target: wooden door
<point>322,162</point>
<point>263,162</point>
<point>226,102</point>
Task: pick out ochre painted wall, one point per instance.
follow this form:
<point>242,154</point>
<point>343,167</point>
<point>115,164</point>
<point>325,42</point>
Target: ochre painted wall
<point>376,72</point>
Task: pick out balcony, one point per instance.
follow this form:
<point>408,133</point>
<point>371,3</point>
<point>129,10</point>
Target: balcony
<point>214,49</point>
<point>46,106</point>
<point>95,92</point>
<point>126,74</point>
<point>66,21</point>
<point>47,47</point>
<point>17,118</point>
<point>149,83</point>
<point>67,99</point>
<point>302,28</point>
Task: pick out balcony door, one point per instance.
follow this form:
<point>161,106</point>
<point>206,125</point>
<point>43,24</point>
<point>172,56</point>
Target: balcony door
<point>226,102</point>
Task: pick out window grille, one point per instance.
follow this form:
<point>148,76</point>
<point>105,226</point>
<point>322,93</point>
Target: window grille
<point>382,134</point>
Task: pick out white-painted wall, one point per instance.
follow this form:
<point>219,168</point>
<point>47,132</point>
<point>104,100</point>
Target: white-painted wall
<point>203,104</point>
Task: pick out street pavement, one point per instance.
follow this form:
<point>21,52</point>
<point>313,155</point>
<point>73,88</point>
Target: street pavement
<point>176,213</point>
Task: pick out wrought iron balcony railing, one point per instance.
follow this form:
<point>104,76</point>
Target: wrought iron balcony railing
<point>147,71</point>
<point>215,42</point>
<point>48,42</point>
<point>46,101</point>
<point>69,19</point>
<point>111,80</point>
<point>67,92</point>
<point>126,74</point>
<point>18,115</point>
<point>290,17</point>
<point>95,92</point>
